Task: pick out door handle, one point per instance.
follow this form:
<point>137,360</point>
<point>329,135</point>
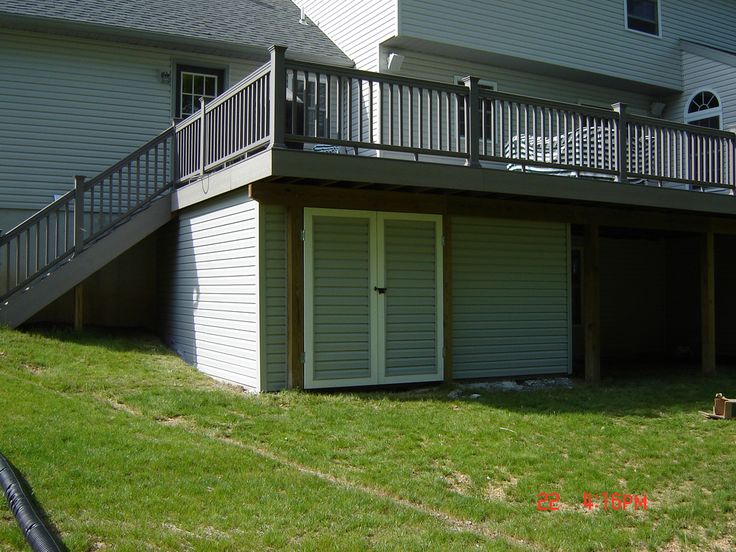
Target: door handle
<point>380,290</point>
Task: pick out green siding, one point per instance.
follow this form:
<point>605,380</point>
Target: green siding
<point>509,297</point>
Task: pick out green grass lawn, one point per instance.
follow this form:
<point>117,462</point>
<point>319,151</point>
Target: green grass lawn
<point>128,448</point>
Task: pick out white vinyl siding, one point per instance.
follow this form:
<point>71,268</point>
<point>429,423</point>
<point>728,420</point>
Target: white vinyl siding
<point>510,298</point>
<point>74,106</point>
<point>702,74</point>
<point>356,27</point>
<point>437,68</point>
<point>273,299</point>
<point>210,291</point>
<point>590,36</point>
<point>411,299</point>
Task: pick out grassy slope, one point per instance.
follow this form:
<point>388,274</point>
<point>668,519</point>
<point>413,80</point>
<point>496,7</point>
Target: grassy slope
<point>126,446</point>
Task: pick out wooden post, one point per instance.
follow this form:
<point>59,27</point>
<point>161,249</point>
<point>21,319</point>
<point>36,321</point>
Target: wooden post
<point>591,303</point>
<point>447,296</point>
<point>79,214</point>
<point>295,296</point>
<point>202,135</point>
<point>78,307</point>
<point>707,304</point>
<point>277,97</point>
<point>622,144</point>
<point>472,122</point>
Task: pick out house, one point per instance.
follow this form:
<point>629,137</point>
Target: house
<point>407,192</point>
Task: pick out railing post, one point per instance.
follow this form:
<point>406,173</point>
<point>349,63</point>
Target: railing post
<point>79,213</point>
<point>472,122</point>
<point>277,97</point>
<point>174,154</point>
<point>202,135</point>
<point>622,145</point>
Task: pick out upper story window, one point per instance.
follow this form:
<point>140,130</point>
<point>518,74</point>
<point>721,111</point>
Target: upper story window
<point>306,112</point>
<point>704,110</point>
<point>643,16</point>
<point>193,83</point>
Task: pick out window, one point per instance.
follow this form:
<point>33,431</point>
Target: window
<point>704,110</point>
<point>643,16</point>
<point>483,84</point>
<point>193,83</point>
<point>306,113</point>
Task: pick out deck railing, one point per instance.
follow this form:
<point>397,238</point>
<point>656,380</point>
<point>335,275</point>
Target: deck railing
<point>83,214</point>
<point>288,103</point>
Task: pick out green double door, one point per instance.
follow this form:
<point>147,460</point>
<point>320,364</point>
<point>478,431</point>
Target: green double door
<point>373,298</point>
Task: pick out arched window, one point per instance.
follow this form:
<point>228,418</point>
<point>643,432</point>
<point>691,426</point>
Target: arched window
<point>704,110</point>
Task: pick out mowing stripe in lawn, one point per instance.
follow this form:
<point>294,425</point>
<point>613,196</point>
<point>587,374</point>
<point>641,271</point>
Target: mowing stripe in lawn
<point>455,523</point>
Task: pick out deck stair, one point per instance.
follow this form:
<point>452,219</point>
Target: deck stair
<point>70,239</point>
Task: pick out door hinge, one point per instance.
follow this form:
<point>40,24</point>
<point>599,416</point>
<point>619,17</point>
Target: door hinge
<point>303,357</point>
<point>301,235</point>
<point>444,241</point>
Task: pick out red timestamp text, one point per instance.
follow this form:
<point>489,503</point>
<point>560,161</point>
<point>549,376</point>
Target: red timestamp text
<point>614,501</point>
<point>548,502</point>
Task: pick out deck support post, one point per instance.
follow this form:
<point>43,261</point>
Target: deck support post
<point>277,97</point>
<point>447,296</point>
<point>295,296</point>
<point>707,304</point>
<point>78,307</point>
<point>473,122</point>
<point>592,303</point>
<point>79,213</point>
<point>622,144</point>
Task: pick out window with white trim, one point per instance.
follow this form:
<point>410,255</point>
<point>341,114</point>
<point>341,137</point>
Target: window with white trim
<point>643,16</point>
<point>483,84</point>
<point>306,113</point>
<point>193,83</point>
<point>704,109</point>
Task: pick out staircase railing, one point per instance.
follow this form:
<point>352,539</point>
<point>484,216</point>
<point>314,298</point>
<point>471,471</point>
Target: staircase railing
<point>85,213</point>
<point>225,129</point>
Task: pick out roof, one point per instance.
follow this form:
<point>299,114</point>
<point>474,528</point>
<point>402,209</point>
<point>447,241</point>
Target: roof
<point>234,27</point>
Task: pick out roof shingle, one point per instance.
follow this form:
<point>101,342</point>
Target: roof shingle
<point>253,23</point>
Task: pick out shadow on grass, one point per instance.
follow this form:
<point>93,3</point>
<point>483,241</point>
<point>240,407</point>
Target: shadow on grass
<point>653,388</point>
<point>123,340</point>
<point>27,489</point>
<point>652,394</point>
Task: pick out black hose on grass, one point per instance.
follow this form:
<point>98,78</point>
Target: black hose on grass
<point>37,535</point>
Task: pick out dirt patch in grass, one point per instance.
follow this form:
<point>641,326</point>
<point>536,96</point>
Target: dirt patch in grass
<point>119,406</point>
<point>172,421</point>
<point>32,368</point>
<point>497,490</point>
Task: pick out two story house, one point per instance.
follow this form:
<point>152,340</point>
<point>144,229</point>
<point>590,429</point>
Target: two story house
<point>403,192</point>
